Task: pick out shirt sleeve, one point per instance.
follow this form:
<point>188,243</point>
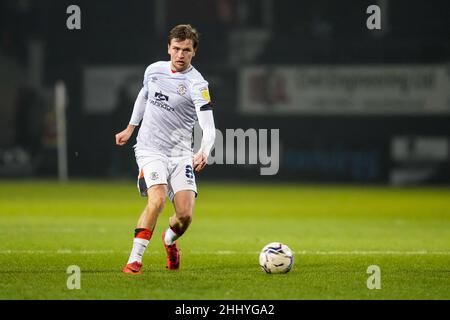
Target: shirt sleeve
<point>139,104</point>
<point>203,107</point>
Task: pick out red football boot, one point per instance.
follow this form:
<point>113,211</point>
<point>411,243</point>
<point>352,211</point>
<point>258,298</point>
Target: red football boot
<point>133,268</point>
<point>173,255</point>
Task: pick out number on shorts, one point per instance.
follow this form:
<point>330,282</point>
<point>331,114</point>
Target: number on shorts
<point>189,173</point>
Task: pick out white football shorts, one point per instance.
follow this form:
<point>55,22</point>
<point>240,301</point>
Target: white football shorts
<point>157,168</point>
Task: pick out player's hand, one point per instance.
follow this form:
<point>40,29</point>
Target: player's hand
<point>200,161</point>
<point>123,136</point>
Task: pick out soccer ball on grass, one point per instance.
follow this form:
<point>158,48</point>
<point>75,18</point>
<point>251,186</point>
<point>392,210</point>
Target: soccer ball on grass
<point>276,257</point>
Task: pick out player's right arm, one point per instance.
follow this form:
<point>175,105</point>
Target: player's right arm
<point>137,115</point>
<point>123,136</point>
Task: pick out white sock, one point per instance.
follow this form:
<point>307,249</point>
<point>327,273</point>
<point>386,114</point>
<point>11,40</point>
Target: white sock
<point>170,237</point>
<point>139,246</point>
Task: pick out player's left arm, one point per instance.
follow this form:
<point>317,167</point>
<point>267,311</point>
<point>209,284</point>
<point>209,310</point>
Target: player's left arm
<point>204,109</point>
<point>206,122</point>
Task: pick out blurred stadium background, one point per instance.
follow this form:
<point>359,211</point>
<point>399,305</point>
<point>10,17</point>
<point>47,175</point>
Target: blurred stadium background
<point>355,108</point>
<point>352,104</point>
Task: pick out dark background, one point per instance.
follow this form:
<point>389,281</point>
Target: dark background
<point>314,147</point>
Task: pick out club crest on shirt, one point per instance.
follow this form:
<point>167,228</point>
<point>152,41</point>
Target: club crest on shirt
<point>154,176</point>
<point>181,89</point>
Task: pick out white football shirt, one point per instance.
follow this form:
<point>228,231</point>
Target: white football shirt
<point>169,104</point>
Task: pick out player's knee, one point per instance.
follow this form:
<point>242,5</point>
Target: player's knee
<point>157,202</point>
<point>157,197</point>
<point>184,208</point>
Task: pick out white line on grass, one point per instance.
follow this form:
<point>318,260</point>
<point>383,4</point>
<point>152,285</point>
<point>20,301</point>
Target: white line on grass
<point>229,252</point>
<point>375,252</point>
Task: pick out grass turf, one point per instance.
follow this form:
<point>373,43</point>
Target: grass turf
<point>335,231</point>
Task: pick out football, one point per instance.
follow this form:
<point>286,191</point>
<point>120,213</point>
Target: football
<point>276,257</point>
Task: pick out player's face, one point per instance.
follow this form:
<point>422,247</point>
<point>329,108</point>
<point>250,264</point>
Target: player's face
<point>181,54</point>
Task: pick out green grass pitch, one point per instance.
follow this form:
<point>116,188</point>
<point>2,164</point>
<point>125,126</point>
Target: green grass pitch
<point>336,233</point>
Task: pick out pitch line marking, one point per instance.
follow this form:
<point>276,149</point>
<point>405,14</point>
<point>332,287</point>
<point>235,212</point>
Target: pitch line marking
<point>231,252</point>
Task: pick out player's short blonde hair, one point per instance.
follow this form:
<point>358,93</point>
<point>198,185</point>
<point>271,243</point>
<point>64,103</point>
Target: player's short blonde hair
<point>182,32</point>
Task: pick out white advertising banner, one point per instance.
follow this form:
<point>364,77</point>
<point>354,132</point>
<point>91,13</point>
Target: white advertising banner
<point>346,90</point>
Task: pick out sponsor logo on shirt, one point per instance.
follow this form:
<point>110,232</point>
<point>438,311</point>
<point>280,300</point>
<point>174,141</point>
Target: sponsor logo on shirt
<point>161,97</point>
<point>160,101</point>
<point>205,94</point>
